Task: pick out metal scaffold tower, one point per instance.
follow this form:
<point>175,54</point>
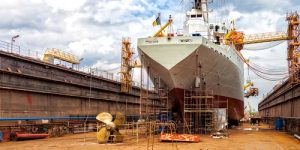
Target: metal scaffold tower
<point>293,33</point>
<point>163,96</point>
<point>126,65</point>
<point>199,115</point>
<point>146,107</point>
<point>203,112</point>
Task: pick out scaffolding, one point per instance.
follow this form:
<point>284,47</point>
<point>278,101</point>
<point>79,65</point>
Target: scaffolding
<point>293,46</point>
<point>126,65</point>
<point>164,111</point>
<point>147,110</point>
<point>202,111</point>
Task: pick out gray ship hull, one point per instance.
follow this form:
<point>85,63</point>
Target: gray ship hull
<point>176,62</point>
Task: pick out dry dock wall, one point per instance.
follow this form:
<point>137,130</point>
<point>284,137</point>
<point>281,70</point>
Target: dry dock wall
<point>283,102</point>
<point>32,88</point>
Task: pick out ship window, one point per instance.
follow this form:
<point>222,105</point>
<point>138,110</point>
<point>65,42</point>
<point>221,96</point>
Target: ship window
<point>199,15</point>
<point>193,16</point>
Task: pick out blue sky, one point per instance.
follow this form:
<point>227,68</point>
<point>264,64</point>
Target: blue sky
<point>93,29</point>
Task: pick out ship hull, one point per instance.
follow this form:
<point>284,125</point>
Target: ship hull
<point>176,62</point>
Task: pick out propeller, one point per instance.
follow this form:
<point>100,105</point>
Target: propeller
<point>110,128</point>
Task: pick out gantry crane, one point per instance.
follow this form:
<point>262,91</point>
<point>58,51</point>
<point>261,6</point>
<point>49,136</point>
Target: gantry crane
<point>52,53</point>
<point>127,64</point>
<point>239,39</point>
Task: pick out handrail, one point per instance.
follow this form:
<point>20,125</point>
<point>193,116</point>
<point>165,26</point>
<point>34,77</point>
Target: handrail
<point>37,55</point>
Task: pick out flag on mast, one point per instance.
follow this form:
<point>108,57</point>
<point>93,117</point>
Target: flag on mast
<point>156,21</point>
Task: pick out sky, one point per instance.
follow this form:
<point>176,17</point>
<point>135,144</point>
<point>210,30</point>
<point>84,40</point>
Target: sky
<point>93,29</point>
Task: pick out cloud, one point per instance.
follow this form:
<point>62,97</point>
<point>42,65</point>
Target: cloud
<point>260,16</point>
<point>65,5</point>
<point>93,30</point>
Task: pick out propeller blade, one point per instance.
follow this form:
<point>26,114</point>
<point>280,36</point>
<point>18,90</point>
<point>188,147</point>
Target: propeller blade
<point>103,135</point>
<point>104,117</point>
<point>120,119</point>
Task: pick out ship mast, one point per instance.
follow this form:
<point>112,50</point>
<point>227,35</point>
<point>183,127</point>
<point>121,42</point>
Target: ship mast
<point>201,5</point>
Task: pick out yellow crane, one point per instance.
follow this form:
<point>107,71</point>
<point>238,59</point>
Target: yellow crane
<point>52,53</point>
<point>252,91</point>
<point>127,64</point>
<point>238,39</point>
<point>249,83</point>
<point>160,33</point>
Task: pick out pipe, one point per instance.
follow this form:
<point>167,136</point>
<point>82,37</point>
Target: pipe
<point>30,136</point>
<point>297,136</point>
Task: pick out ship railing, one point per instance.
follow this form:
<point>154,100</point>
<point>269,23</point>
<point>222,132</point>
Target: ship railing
<point>17,50</point>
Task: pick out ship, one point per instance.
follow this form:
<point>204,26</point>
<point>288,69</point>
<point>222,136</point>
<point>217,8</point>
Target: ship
<point>194,57</point>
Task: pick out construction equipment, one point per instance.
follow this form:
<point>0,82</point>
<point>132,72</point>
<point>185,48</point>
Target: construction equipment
<point>53,53</point>
<point>127,64</point>
<point>293,46</point>
<point>252,91</point>
<point>238,40</point>
<point>160,33</point>
<point>249,83</point>
<point>110,130</point>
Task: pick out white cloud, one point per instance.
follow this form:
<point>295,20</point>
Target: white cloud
<point>94,29</point>
<point>102,45</point>
<point>65,4</point>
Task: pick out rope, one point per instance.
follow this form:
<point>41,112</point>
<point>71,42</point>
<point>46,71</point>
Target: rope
<point>264,73</point>
<point>265,46</point>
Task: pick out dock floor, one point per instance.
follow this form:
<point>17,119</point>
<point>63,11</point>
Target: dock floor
<point>245,137</point>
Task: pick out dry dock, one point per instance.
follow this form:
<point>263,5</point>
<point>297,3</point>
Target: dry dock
<point>282,104</point>
<point>32,88</point>
<point>246,137</point>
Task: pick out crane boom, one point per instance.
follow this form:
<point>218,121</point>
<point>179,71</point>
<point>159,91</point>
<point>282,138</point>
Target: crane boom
<point>159,32</point>
<point>238,39</point>
<point>264,37</point>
